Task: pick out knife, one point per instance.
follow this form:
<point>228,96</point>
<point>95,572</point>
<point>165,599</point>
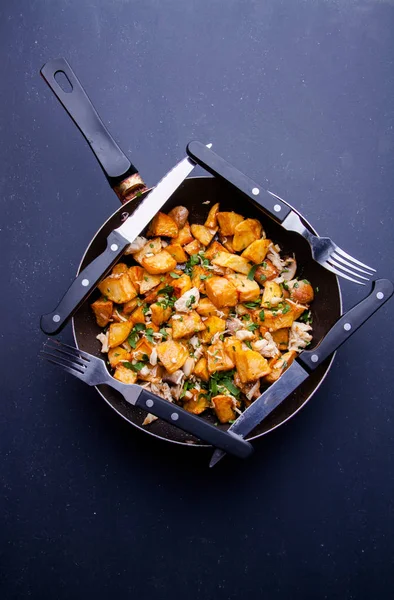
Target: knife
<point>117,242</point>
<point>309,360</point>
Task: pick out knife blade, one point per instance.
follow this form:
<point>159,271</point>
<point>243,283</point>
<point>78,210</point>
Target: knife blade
<point>117,242</point>
<point>309,360</point>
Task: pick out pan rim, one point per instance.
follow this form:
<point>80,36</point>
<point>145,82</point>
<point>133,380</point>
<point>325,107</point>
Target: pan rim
<point>192,444</point>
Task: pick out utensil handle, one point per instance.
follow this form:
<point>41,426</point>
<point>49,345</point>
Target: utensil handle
<point>83,285</point>
<point>113,161</point>
<point>230,442</point>
<point>382,290</point>
<point>217,166</point>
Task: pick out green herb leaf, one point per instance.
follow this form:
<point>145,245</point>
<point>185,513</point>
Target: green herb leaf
<point>174,275</point>
<point>249,345</point>
<point>139,327</point>
<point>286,309</point>
<point>252,327</point>
<point>136,368</point>
<point>149,335</point>
<point>133,339</point>
<point>255,304</point>
<point>306,281</point>
<point>163,333</point>
<point>262,315</point>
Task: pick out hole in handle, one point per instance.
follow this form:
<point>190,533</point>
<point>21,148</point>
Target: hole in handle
<point>63,81</point>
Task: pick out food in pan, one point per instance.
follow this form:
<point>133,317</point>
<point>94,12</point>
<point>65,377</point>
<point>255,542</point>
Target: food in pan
<point>206,316</point>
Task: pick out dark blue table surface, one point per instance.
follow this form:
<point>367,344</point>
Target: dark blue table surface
<point>299,95</point>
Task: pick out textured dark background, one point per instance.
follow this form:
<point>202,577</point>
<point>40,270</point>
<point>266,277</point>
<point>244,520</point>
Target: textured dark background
<point>298,94</point>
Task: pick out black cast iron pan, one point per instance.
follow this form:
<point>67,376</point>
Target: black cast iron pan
<point>129,187</point>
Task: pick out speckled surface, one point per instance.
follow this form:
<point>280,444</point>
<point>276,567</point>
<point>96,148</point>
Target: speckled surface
<point>299,95</point>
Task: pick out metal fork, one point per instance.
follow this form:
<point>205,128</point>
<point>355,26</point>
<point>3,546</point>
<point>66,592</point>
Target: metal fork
<point>324,250</point>
<point>93,371</point>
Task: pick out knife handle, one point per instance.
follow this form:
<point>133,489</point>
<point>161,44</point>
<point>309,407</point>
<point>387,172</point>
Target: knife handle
<point>230,442</point>
<point>113,161</point>
<point>382,290</point>
<point>84,285</point>
<point>217,166</point>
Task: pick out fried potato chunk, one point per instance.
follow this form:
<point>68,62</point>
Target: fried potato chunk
<point>251,365</point>
<point>172,355</point>
<point>228,222</point>
<point>163,224</point>
<point>245,233</point>
<point>103,311</point>
<point>257,251</point>
<point>118,333</point>
<point>224,408</point>
<point>232,261</point>
<point>186,324</point>
<point>118,288</point>
<point>160,263</point>
<point>221,292</point>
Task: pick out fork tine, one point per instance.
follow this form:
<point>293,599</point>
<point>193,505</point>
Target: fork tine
<point>334,270</point>
<point>339,258</point>
<point>71,349</point>
<point>64,367</point>
<point>339,266</point>
<point>358,262</point>
<point>65,360</point>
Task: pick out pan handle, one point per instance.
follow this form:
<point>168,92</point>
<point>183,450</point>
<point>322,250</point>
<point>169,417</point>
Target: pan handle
<point>122,175</point>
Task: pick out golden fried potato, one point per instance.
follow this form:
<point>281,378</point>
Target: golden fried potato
<point>103,311</point>
<point>283,315</point>
<point>206,308</point>
<point>279,365</point>
<point>281,337</point>
<point>181,285</point>
<point>232,345</point>
<point>184,236</point>
<point>212,220</point>
<point>118,333</point>
<point>116,355</point>
<point>159,314</point>
<point>212,325</point>
<point>302,292</point>
<point>218,359</point>
<point>213,249</point>
<point>152,247</point>
<point>272,294</point>
<point>193,247</point>
<point>203,234</point>
<point>138,315</point>
<point>221,292</point>
<point>248,291</point>
<point>257,251</point>
<point>143,347</point>
<point>245,233</point>
<point>119,269</point>
<point>232,261</point>
<point>227,241</point>
<point>160,263</point>
<point>265,272</point>
<point>251,365</point>
<point>199,277</point>
<point>148,282</point>
<point>179,214</point>
<point>198,403</point>
<point>163,224</point>
<point>125,375</point>
<point>186,324</point>
<point>177,252</point>
<point>118,288</point>
<point>224,408</point>
<point>201,369</point>
<point>228,222</point>
<point>151,374</point>
<point>172,355</point>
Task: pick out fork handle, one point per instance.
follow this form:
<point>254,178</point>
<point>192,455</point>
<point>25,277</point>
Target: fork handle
<point>217,166</point>
<point>230,442</point>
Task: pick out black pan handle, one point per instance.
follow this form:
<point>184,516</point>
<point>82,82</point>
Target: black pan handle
<point>229,442</point>
<point>84,285</point>
<point>113,161</point>
<point>382,290</point>
<point>217,166</point>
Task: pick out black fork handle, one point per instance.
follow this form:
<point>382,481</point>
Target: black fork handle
<point>112,159</point>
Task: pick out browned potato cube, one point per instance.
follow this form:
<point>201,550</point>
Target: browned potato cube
<point>186,325</point>
<point>136,274</point>
<point>213,325</point>
<point>228,222</point>
<point>282,317</point>
<point>302,292</point>
<point>162,224</point>
<point>172,355</point>
<point>151,374</point>
<point>245,233</point>
<point>125,375</point>
<point>224,408</point>
<point>193,247</point>
<point>118,333</point>
<point>197,404</point>
<point>181,285</point>
<point>212,220</point>
<point>203,234</point>
<point>272,295</point>
<point>184,236</point>
<point>159,263</point>
<point>102,311</point>
<point>117,354</point>
<point>119,269</point>
<point>152,247</point>
<point>251,365</point>
<point>199,277</point>
<point>206,308</point>
<point>201,369</point>
<point>177,252</point>
<point>232,261</point>
<point>279,365</point>
<point>143,346</point>
<point>248,291</point>
<point>265,272</point>
<point>221,292</point>
<point>159,314</point>
<point>137,316</point>
<point>128,307</point>
<point>148,282</point>
<point>232,345</point>
<point>213,249</point>
<point>218,359</point>
<point>297,309</point>
<point>227,241</point>
<point>118,288</point>
<point>281,338</point>
<point>179,214</point>
<point>257,251</point>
